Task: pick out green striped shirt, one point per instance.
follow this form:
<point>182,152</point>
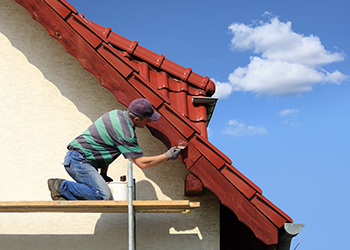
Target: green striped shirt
<point>111,135</point>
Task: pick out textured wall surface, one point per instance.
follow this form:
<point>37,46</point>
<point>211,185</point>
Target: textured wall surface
<point>47,99</point>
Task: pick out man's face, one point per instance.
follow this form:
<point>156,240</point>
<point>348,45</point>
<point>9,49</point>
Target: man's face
<point>141,123</point>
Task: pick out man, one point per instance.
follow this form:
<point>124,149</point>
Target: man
<point>106,139</point>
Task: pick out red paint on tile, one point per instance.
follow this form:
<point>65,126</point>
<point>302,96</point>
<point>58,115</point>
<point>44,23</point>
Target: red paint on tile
<point>145,54</point>
<point>104,31</point>
<point>197,113</point>
<point>160,81</point>
<point>144,71</point>
<point>116,60</point>
<point>147,91</point>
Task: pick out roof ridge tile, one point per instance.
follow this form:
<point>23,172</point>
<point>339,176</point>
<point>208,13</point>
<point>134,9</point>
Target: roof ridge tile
<point>158,61</point>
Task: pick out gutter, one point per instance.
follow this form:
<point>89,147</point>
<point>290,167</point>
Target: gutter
<point>286,234</point>
<point>209,102</point>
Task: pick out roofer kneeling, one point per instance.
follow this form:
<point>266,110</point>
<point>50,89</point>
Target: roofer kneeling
<point>105,140</point>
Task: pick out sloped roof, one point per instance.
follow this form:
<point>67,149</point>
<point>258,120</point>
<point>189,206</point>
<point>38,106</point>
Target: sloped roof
<point>130,71</point>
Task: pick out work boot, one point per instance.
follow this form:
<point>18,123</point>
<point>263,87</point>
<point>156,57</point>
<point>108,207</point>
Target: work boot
<point>54,186</point>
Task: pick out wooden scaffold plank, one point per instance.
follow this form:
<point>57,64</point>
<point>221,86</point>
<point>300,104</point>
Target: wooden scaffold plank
<point>140,206</point>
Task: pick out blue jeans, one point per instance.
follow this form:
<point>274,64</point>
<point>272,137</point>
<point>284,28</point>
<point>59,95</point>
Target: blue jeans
<point>89,184</point>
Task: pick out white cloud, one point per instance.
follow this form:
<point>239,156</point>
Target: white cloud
<point>223,90</point>
<point>288,112</point>
<point>286,62</point>
<point>210,132</point>
<point>236,128</point>
<point>277,41</point>
<point>290,117</point>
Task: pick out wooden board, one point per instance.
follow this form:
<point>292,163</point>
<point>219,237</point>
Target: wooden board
<point>233,199</point>
<point>140,206</point>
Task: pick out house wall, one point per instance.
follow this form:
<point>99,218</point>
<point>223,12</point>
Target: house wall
<point>47,99</point>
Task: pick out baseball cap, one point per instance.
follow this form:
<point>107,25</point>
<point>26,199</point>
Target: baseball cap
<point>142,107</point>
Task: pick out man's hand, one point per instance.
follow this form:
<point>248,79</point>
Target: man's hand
<point>173,153</point>
<point>106,178</point>
<point>152,161</point>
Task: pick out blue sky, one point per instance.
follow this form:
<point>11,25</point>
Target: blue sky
<point>282,73</point>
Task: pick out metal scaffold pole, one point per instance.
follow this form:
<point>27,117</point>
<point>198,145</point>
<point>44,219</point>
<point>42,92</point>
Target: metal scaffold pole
<point>131,213</point>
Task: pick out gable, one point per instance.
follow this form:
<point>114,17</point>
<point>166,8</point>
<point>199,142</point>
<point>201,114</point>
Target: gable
<point>130,71</point>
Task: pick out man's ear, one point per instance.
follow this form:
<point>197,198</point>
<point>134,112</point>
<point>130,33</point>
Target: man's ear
<point>137,121</point>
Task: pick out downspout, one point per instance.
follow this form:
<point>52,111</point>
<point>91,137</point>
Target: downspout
<point>286,234</point>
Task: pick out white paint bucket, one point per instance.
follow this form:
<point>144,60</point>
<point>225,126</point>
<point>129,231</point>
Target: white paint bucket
<point>119,190</point>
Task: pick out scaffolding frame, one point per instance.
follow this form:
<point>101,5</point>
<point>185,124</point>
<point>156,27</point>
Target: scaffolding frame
<point>130,206</point>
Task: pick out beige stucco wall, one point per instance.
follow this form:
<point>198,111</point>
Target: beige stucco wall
<point>47,99</point>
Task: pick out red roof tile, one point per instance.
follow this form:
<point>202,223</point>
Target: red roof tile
<point>130,71</point>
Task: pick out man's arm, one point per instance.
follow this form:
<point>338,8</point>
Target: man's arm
<point>149,161</point>
<point>104,174</point>
<point>152,161</point>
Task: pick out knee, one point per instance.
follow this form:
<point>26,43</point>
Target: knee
<point>108,197</point>
<point>105,195</point>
